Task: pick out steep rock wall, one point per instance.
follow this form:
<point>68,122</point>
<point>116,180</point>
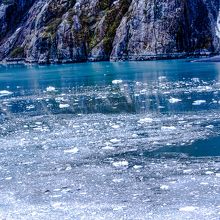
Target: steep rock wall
<point>48,31</point>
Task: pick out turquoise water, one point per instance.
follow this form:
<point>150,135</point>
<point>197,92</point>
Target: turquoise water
<point>127,140</point>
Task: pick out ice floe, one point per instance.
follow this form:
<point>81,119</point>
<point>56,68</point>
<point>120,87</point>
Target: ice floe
<point>199,102</point>
<point>145,120</point>
<point>71,150</point>
<point>174,100</point>
<point>188,209</point>
<point>120,163</point>
<point>5,93</point>
<point>64,105</point>
<point>50,89</point>
<point>119,81</point>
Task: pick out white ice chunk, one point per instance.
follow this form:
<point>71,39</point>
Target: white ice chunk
<point>71,151</point>
<point>137,167</point>
<point>123,163</point>
<point>108,148</point>
<point>145,120</point>
<point>174,100</point>
<point>164,187</point>
<point>5,93</point>
<point>115,126</point>
<point>199,102</point>
<point>209,173</point>
<point>196,80</point>
<point>30,107</point>
<point>57,205</point>
<point>188,209</point>
<point>64,105</point>
<point>161,78</point>
<point>50,89</point>
<point>8,178</point>
<point>117,81</point>
<point>168,128</point>
<point>210,126</point>
<point>115,140</point>
<point>68,167</point>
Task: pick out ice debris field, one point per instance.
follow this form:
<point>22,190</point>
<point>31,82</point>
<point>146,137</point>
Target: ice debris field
<point>125,150</point>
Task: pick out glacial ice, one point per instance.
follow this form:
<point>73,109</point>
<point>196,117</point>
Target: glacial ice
<point>90,159</point>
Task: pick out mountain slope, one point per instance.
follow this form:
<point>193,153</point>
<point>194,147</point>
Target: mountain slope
<point>79,30</point>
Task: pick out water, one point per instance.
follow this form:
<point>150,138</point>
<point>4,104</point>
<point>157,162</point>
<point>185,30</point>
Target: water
<point>132,140</point>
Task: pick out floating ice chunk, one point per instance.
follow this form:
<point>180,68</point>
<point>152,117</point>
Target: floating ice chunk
<point>57,196</point>
<point>196,80</point>
<point>59,99</point>
<point>204,183</point>
<point>217,174</point>
<point>187,171</point>
<point>210,126</point>
<point>57,205</point>
<point>115,126</point>
<point>8,178</point>
<point>118,208</point>
<point>174,100</point>
<point>134,135</point>
<point>143,91</point>
<point>123,163</point>
<point>209,173</point>
<point>145,120</point>
<point>64,105</point>
<point>5,93</point>
<point>30,107</point>
<point>50,89</point>
<point>115,140</point>
<point>161,78</point>
<point>138,83</point>
<point>199,102</point>
<point>187,209</point>
<point>74,150</point>
<point>68,167</point>
<point>161,107</point>
<point>108,148</point>
<point>164,187</point>
<point>117,180</point>
<point>137,167</point>
<point>117,81</point>
<point>168,128</point>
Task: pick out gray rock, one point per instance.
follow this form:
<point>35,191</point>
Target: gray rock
<point>61,31</point>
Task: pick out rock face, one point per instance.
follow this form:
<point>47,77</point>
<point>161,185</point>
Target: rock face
<point>61,31</point>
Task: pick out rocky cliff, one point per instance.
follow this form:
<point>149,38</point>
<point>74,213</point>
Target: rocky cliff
<point>48,31</point>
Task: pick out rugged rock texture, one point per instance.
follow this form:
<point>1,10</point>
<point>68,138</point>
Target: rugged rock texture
<point>48,31</point>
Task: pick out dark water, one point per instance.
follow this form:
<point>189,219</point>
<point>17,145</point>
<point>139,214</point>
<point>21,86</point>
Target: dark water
<point>131,140</point>
<point>201,148</point>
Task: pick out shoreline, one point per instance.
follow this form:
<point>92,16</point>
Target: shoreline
<point>213,59</point>
<point>195,58</point>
